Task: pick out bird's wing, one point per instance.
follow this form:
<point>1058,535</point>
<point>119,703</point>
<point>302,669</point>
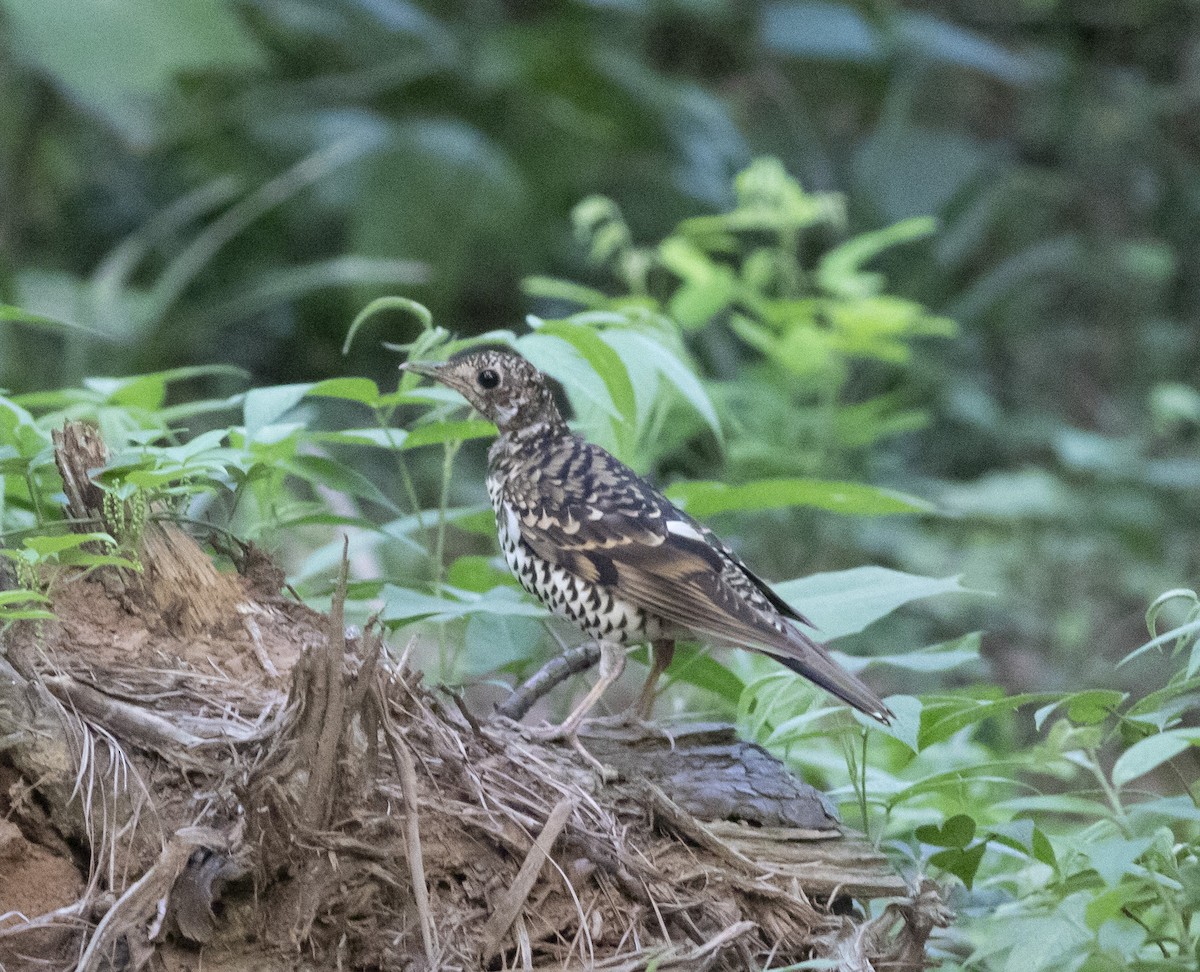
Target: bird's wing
<point>595,518</point>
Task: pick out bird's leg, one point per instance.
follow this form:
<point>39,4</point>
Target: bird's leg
<point>662,651</point>
<point>612,664</point>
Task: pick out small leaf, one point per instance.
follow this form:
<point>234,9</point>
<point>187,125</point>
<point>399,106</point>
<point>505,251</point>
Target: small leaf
<point>961,863</point>
<point>958,831</point>
<point>265,406</point>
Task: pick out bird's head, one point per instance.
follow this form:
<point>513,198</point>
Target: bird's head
<point>504,387</point>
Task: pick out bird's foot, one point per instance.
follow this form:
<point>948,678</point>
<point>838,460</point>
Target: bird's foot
<point>570,735</point>
<point>632,722</point>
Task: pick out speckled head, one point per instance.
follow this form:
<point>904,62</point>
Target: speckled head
<point>503,386</point>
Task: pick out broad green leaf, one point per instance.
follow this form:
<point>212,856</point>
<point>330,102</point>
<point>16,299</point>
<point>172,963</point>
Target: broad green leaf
<point>1083,708</point>
<point>1113,859</point>
<point>693,665</point>
<point>352,389</point>
<point>495,641</point>
<point>703,499</point>
<point>453,431</point>
<point>1149,754</point>
<point>672,368</point>
<point>845,602</point>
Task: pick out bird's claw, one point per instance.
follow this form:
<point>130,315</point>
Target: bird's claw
<point>563,733</point>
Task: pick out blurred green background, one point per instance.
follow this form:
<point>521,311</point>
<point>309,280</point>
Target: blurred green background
<point>230,180</point>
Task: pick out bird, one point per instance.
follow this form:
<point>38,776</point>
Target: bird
<point>601,546</point>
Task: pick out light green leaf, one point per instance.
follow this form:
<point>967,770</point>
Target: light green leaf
<point>1112,859</point>
<point>606,362</point>
<point>439,432</point>
<point>1150,753</point>
<point>264,406</point>
<point>352,389</point>
<point>46,546</point>
<point>703,499</point>
<point>844,602</point>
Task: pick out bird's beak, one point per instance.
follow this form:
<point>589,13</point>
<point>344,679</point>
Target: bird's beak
<point>430,369</point>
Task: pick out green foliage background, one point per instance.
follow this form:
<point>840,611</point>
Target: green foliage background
<point>960,339</point>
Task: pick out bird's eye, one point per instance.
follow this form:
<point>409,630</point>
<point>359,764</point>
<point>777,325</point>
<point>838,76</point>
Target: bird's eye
<point>488,378</point>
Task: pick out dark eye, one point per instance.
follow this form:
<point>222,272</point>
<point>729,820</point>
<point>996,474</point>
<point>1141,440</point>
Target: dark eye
<point>488,378</point>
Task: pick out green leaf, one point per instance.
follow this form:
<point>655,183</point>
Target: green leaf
<point>840,270</point>
<point>1113,859</point>
<point>845,602</point>
<point>265,406</point>
<point>494,642</point>
<point>46,545</point>
<point>906,725</point>
<point>604,359</point>
<point>352,389</point>
<point>1084,708</point>
<point>335,476</point>
<point>1149,754</point>
<point>962,863</point>
<point>934,658</point>
<point>672,368</point>
<point>454,431</point>
<point>703,499</point>
<point>958,831</point>
<point>694,666</point>
<point>949,714</point>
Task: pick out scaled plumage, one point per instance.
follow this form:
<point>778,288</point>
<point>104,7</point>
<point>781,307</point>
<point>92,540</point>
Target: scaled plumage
<point>601,546</point>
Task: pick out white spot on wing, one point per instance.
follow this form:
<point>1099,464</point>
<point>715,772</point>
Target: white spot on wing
<point>681,529</point>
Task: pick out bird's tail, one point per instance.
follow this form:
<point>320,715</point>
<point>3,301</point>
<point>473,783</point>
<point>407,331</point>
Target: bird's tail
<point>812,660</point>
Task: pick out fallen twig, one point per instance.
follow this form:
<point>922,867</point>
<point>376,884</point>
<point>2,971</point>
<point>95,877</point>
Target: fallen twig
<point>509,906</point>
<point>553,673</point>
